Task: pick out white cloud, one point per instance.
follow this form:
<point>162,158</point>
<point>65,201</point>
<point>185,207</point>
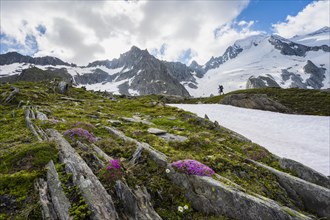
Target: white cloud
<point>313,17</point>
<point>84,31</point>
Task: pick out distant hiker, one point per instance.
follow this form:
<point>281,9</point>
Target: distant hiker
<point>221,89</point>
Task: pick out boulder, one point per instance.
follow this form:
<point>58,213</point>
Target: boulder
<point>173,137</point>
<point>255,101</point>
<point>156,131</point>
<point>63,87</point>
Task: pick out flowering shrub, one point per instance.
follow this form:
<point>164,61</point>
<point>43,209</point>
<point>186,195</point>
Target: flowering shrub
<point>193,167</point>
<point>85,125</point>
<point>112,171</point>
<point>80,134</point>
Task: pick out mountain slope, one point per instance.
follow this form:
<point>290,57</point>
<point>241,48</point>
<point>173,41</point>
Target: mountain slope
<point>254,62</point>
<point>112,156</point>
<point>135,72</point>
<point>263,61</point>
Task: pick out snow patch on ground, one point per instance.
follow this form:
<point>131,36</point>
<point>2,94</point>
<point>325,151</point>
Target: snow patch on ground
<point>303,138</point>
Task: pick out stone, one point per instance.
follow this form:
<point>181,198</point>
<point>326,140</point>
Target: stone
<point>93,192</point>
<point>137,202</point>
<point>59,200</point>
<point>114,122</point>
<point>304,172</point>
<point>63,87</point>
<point>156,131</point>
<point>135,120</point>
<point>11,95</point>
<point>254,101</point>
<point>173,137</point>
<point>48,211</point>
<point>213,197</point>
<point>314,198</point>
<point>41,116</point>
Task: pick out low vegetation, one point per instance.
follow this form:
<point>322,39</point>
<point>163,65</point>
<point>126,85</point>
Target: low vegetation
<point>82,114</point>
<point>301,101</point>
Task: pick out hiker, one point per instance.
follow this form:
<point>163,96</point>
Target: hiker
<point>221,89</point>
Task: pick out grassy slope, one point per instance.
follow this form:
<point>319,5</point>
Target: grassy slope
<point>22,158</point>
<point>301,101</point>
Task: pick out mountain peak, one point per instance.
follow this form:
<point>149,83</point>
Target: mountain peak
<point>323,30</point>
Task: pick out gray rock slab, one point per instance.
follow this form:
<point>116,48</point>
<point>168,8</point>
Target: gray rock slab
<point>93,192</point>
<point>156,131</point>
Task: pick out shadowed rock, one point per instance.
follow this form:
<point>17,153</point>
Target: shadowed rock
<point>59,200</point>
<point>137,202</point>
<point>305,173</point>
<point>93,192</point>
<point>315,198</point>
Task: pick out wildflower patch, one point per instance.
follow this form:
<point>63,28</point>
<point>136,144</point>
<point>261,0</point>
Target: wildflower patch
<point>79,134</point>
<point>193,167</point>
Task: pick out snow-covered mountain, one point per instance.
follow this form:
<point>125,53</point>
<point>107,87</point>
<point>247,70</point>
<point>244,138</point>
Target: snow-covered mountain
<point>261,61</point>
<point>256,61</point>
<point>135,72</point>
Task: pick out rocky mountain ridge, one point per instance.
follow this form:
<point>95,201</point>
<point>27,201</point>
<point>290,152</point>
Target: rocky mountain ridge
<point>254,62</point>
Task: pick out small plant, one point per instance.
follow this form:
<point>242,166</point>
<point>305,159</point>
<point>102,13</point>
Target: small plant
<point>112,171</point>
<point>193,167</point>
<point>79,134</point>
<point>85,125</point>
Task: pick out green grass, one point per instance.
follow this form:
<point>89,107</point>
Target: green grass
<point>301,101</point>
<point>22,158</point>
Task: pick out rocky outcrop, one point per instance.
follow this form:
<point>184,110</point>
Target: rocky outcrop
<point>305,172</point>
<point>254,101</point>
<point>230,53</point>
<point>314,198</point>
<point>317,75</point>
<point>297,80</point>
<point>63,87</point>
<point>261,82</point>
<point>213,197</point>
<point>59,200</point>
<point>290,48</point>
<point>36,131</point>
<point>47,207</point>
<point>137,120</point>
<point>41,116</point>
<point>167,136</point>
<point>137,202</point>
<point>11,95</point>
<point>315,80</point>
<point>98,76</point>
<point>93,192</point>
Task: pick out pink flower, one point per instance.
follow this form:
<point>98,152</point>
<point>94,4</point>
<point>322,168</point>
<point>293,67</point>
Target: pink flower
<point>193,167</point>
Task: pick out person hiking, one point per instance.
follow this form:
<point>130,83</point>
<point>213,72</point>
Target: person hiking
<point>221,89</point>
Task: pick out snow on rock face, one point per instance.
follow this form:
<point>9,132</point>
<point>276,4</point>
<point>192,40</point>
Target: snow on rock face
<point>305,139</point>
<point>261,60</point>
<point>317,38</point>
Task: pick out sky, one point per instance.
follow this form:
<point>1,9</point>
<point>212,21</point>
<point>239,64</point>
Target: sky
<point>83,31</point>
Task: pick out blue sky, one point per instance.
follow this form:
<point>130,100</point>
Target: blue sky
<point>83,31</point>
<point>268,12</point>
